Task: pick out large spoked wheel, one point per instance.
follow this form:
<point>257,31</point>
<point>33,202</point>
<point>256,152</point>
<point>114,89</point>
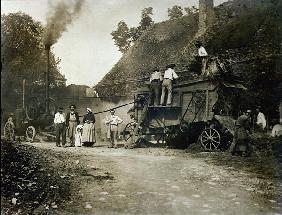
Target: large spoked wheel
<point>30,133</point>
<point>128,132</point>
<point>210,139</point>
<point>9,131</point>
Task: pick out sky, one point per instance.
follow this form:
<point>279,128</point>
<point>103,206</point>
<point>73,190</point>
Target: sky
<point>86,49</point>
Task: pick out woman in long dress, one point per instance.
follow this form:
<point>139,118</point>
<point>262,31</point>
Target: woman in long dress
<point>88,132</point>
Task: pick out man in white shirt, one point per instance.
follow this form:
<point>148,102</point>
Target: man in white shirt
<point>261,121</point>
<point>169,76</point>
<point>202,54</point>
<point>60,127</point>
<point>113,123</point>
<point>155,84</point>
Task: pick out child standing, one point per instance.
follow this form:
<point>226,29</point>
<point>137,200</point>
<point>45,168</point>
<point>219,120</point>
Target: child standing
<point>78,136</point>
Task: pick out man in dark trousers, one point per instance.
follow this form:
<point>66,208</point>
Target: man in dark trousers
<point>60,126</point>
<point>72,120</point>
<point>155,87</point>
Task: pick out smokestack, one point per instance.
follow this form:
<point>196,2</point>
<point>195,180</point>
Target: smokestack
<point>47,78</point>
<point>59,17</point>
<point>206,15</point>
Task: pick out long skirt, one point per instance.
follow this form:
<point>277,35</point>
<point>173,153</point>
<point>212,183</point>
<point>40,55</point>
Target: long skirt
<point>88,133</point>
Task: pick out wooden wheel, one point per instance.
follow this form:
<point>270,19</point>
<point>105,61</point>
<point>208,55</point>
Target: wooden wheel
<point>9,130</point>
<point>30,133</point>
<point>210,139</point>
<point>128,132</point>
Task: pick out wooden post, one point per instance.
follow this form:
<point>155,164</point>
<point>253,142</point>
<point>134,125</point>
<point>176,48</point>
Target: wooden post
<point>47,79</point>
<point>23,93</point>
<point>280,110</point>
<point>207,104</point>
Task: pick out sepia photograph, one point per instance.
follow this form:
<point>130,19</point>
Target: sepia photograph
<point>145,107</point>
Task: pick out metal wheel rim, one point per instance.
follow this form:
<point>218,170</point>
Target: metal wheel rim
<point>128,128</point>
<point>210,139</point>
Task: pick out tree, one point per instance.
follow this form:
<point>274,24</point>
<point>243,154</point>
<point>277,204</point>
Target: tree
<point>124,37</point>
<point>135,33</point>
<point>175,12</point>
<point>23,57</point>
<point>191,10</point>
<point>146,19</point>
<point>121,36</point>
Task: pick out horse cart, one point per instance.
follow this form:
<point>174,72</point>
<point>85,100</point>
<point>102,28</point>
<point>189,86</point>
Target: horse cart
<point>24,123</point>
<point>201,111</point>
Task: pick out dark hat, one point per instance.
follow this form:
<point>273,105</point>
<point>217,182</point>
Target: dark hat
<point>61,109</point>
<point>72,106</point>
<point>112,111</point>
<point>172,65</point>
<point>156,69</point>
<point>198,43</point>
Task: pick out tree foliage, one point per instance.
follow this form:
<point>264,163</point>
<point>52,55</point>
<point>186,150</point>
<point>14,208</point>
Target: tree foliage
<point>146,19</point>
<point>23,57</point>
<point>121,36</point>
<point>250,41</point>
<point>191,10</point>
<point>175,12</point>
<point>124,37</point>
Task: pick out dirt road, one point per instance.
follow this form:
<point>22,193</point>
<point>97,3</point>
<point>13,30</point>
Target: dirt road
<point>159,181</point>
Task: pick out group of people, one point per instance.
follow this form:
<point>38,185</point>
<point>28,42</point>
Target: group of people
<point>69,124</point>
<point>162,83</point>
<point>158,81</point>
<point>241,141</point>
<point>82,134</point>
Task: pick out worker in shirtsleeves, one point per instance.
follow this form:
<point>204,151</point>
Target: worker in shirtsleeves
<point>261,121</point>
<point>169,76</point>
<point>113,123</point>
<point>155,85</point>
<point>60,127</point>
<point>202,54</point>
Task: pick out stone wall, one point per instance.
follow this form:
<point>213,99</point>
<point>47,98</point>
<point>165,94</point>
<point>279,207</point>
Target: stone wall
<point>98,105</point>
<point>101,128</point>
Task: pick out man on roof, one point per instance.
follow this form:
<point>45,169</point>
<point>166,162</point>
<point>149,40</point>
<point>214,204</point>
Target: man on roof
<point>169,76</point>
<point>155,84</point>
<point>202,54</point>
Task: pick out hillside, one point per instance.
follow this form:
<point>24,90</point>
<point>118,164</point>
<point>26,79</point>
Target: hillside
<point>246,39</point>
<point>158,46</point>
